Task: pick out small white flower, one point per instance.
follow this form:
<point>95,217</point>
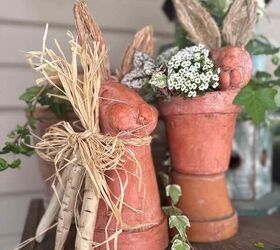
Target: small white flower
<point>215,85</point>
<point>215,77</point>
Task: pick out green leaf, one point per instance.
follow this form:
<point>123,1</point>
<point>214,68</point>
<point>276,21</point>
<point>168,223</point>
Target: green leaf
<point>263,75</point>
<point>261,46</point>
<point>174,192</point>
<point>15,163</point>
<point>259,245</point>
<point>180,222</point>
<point>30,93</point>
<point>179,245</point>
<point>275,59</point>
<point>164,178</point>
<point>277,71</point>
<point>256,101</point>
<point>3,164</point>
<point>171,210</point>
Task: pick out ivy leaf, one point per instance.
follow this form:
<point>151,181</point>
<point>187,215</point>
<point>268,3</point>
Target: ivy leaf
<point>171,210</point>
<point>30,93</point>
<point>174,192</point>
<point>261,46</point>
<point>15,163</point>
<point>262,75</point>
<point>277,71</point>
<point>180,222</point>
<point>3,164</point>
<point>259,245</point>
<point>179,245</point>
<point>256,101</point>
<point>275,59</point>
<point>164,178</point>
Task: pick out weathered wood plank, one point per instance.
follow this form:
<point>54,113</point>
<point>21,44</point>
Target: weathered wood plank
<point>36,210</point>
<point>251,230</point>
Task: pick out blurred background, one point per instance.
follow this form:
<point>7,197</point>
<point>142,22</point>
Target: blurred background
<point>22,24</point>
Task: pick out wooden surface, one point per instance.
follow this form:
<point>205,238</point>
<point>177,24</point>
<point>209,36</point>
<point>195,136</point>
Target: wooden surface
<point>251,230</point>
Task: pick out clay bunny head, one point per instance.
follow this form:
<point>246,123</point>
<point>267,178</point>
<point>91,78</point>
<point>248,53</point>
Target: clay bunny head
<point>123,110</point>
<point>233,59</point>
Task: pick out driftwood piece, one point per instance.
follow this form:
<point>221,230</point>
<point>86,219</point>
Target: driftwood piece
<point>143,41</point>
<point>87,28</point>
<point>239,22</point>
<point>198,23</point>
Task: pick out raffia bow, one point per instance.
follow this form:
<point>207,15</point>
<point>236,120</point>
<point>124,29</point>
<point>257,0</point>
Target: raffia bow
<point>85,155</point>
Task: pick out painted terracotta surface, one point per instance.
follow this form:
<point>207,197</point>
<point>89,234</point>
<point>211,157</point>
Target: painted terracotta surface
<point>200,132</point>
<point>122,109</point>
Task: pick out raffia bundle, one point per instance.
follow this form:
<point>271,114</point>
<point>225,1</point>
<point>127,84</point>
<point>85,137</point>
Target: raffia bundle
<point>86,156</point>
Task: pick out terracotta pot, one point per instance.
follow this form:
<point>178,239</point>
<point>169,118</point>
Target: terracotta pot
<point>124,110</point>
<point>200,132</point>
<point>46,119</point>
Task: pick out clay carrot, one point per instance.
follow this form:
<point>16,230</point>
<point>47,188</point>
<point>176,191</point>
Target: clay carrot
<point>53,207</point>
<point>87,219</point>
<point>67,206</point>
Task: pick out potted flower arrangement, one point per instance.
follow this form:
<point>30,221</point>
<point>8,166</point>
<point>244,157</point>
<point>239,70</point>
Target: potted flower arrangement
<point>258,101</point>
<point>196,87</point>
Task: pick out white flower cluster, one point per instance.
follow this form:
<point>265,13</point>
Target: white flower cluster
<point>189,72</point>
<point>159,80</point>
<point>166,55</point>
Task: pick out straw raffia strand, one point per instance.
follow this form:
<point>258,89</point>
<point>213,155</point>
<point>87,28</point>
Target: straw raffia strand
<point>143,41</point>
<point>239,22</point>
<point>198,23</point>
<point>95,152</point>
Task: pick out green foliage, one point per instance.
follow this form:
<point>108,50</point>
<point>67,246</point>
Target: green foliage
<point>260,45</point>
<point>256,100</point>
<point>180,245</point>
<point>176,218</point>
<point>180,222</point>
<point>217,9</point>
<point>258,97</point>
<point>20,138</point>
<point>259,245</point>
<point>174,192</point>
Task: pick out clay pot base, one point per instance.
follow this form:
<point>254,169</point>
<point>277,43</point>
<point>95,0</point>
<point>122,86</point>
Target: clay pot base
<point>211,231</point>
<point>155,238</point>
<point>206,203</point>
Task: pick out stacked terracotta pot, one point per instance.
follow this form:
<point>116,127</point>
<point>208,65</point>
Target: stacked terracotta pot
<point>200,132</point>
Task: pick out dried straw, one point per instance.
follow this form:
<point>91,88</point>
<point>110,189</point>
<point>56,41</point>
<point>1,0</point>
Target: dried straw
<point>198,23</point>
<point>95,152</point>
<point>239,22</point>
<point>143,41</point>
<point>87,28</point>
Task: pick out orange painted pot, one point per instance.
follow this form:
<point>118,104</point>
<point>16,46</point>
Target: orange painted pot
<point>144,224</point>
<point>200,132</point>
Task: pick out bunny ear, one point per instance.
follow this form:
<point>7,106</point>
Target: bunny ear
<point>143,41</point>
<point>87,28</point>
<point>239,23</point>
<point>198,23</point>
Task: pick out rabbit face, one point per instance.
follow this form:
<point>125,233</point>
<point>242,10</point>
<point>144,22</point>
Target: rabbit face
<point>123,110</point>
<point>235,64</point>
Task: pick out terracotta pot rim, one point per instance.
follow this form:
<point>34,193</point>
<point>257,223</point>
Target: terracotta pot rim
<point>213,231</point>
<point>138,229</point>
<point>218,102</point>
<point>216,219</point>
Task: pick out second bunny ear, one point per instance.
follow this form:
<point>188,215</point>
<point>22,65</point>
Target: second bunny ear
<point>198,23</point>
<point>239,22</point>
